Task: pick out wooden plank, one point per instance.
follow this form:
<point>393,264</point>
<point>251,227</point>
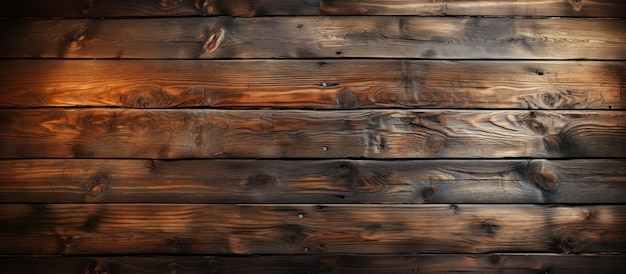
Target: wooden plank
<point>300,229</point>
<point>315,37</point>
<point>578,8</point>
<point>483,263</point>
<point>161,264</point>
<point>151,8</point>
<point>397,263</point>
<point>319,181</point>
<point>168,134</point>
<point>326,84</point>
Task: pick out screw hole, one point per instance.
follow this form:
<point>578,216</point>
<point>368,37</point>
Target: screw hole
<point>338,53</point>
<point>610,107</point>
<point>300,26</point>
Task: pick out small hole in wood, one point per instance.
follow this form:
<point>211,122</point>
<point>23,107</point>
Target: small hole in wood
<point>300,26</point>
<point>338,53</point>
<point>610,107</point>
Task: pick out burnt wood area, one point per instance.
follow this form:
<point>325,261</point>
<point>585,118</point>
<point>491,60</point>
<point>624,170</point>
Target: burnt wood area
<point>312,136</point>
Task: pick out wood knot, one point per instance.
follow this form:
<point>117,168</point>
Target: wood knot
<point>97,266</point>
<point>293,235</point>
<point>576,4</point>
<point>207,7</point>
<point>86,6</point>
<point>428,193</point>
<point>168,4</point>
<point>261,180</point>
<point>97,184</point>
<point>552,143</point>
<point>214,40</point>
<point>540,175</point>
<point>347,100</point>
<point>434,144</point>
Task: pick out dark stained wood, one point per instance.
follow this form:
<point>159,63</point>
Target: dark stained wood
<point>582,8</point>
<point>150,8</point>
<point>483,263</point>
<point>302,229</point>
<point>398,263</point>
<point>162,264</point>
<point>322,181</point>
<point>322,84</point>
<point>315,37</point>
<point>169,134</point>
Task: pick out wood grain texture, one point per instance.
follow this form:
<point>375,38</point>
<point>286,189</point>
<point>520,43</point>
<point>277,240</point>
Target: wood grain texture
<point>320,84</point>
<point>310,264</point>
<point>315,37</point>
<point>301,229</point>
<point>483,263</point>
<point>575,8</point>
<point>162,264</point>
<point>321,181</point>
<point>169,134</point>
<point>154,8</point>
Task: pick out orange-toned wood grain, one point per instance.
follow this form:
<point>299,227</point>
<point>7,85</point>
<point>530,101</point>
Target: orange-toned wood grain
<point>169,134</point>
<point>320,84</point>
<point>301,229</point>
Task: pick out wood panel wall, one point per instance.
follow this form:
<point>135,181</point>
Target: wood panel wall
<point>306,136</point>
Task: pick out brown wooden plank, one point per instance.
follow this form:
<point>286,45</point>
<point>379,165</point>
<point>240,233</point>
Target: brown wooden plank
<point>584,8</point>
<point>119,133</point>
<point>320,181</point>
<point>301,229</point>
<point>326,84</point>
<point>398,263</point>
<point>484,263</point>
<point>151,8</point>
<point>315,37</point>
<point>161,264</point>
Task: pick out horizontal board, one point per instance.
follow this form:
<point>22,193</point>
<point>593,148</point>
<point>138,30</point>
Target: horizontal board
<point>315,37</point>
<point>310,264</point>
<point>197,133</point>
<point>325,84</point>
<point>320,181</point>
<point>301,229</point>
<point>584,8</point>
<point>151,8</point>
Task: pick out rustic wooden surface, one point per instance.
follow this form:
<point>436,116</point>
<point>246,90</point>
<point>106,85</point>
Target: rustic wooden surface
<point>301,229</point>
<point>321,84</point>
<point>576,8</point>
<point>315,37</point>
<point>152,8</point>
<point>168,134</point>
<point>309,264</point>
<point>307,181</point>
<point>496,132</point>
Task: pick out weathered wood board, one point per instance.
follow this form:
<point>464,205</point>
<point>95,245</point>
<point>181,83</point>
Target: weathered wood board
<point>301,229</point>
<point>320,181</point>
<point>399,263</point>
<point>169,134</point>
<point>151,8</point>
<point>574,8</point>
<point>319,84</point>
<point>315,37</point>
